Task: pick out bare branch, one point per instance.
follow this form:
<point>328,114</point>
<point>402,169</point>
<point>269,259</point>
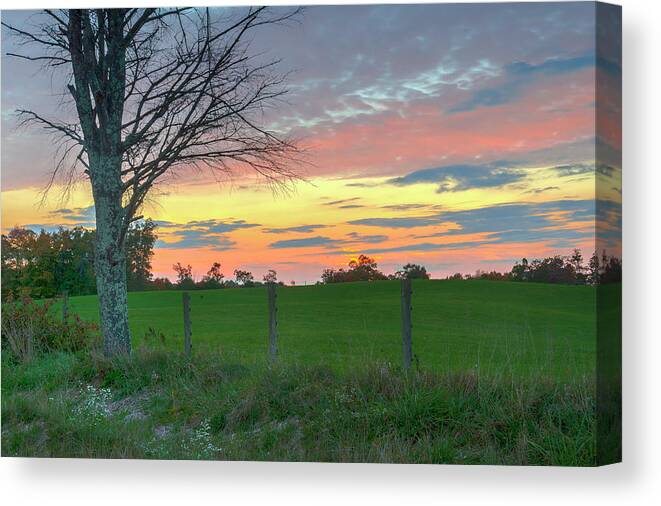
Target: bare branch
<point>160,90</point>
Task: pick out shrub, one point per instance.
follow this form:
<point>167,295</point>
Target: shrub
<point>29,327</point>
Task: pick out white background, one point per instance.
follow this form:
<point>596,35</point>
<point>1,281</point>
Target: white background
<point>636,481</point>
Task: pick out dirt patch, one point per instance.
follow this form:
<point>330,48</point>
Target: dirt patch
<point>132,405</point>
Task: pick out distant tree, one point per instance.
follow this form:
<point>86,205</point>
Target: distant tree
<point>162,284</point>
<point>184,276</point>
<point>593,269</point>
<point>214,273</point>
<point>555,269</point>
<point>576,261</point>
<point>45,264</point>
<point>363,268</point>
<point>270,277</point>
<point>552,270</point>
<point>611,269</point>
<point>362,261</point>
<point>140,242</point>
<point>412,271</point>
<point>244,278</point>
<point>332,276</point>
<point>521,271</point>
<point>48,263</point>
<point>213,278</point>
<point>63,261</point>
<point>17,248</point>
<point>490,275</point>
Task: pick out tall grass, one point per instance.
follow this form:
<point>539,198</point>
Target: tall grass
<point>156,404</point>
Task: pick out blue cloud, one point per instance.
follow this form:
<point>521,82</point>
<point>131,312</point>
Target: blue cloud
<point>301,229</point>
<point>537,191</point>
<point>220,226</point>
<point>488,98</point>
<point>515,222</point>
<point>518,76</point>
<point>426,246</point>
<point>371,239</point>
<point>342,201</point>
<point>609,223</point>
<point>524,222</point>
<point>411,222</point>
<point>209,226</point>
<point>329,243</point>
<point>462,177</point>
<point>605,170</point>
<point>82,216</point>
<point>198,239</point>
<point>305,242</point>
<point>542,234</point>
<point>552,66</point>
<point>408,207</point>
<point>203,234</point>
<point>611,67</point>
<point>573,169</point>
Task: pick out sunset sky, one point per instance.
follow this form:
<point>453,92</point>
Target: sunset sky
<point>461,137</point>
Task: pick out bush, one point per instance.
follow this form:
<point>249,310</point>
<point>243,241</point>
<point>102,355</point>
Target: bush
<point>29,327</point>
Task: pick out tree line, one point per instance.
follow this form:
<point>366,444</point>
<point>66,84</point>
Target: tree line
<point>214,278</point>
<point>568,270</point>
<point>46,264</point>
<point>365,268</point>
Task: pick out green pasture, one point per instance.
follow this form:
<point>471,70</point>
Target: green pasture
<point>494,328</point>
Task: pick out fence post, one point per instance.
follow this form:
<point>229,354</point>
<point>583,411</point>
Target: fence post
<point>187,324</point>
<point>65,305</point>
<point>406,322</point>
<point>273,322</point>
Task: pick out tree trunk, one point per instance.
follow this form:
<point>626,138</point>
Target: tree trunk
<point>110,256</point>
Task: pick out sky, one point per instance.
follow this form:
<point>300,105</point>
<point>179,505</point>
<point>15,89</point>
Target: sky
<point>457,136</point>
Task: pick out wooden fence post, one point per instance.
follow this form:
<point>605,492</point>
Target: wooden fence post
<point>65,305</point>
<point>406,323</point>
<point>273,322</point>
<point>187,324</point>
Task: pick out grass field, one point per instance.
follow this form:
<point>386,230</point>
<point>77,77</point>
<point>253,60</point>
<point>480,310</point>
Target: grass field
<point>494,328</point>
<point>506,376</point>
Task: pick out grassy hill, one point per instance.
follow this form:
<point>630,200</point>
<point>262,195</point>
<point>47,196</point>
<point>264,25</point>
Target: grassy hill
<point>494,328</point>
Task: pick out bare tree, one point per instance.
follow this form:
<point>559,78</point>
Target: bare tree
<point>155,90</point>
<point>271,276</point>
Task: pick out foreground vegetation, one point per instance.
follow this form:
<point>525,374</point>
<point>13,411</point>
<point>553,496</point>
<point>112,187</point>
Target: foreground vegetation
<point>504,375</point>
<point>157,404</point>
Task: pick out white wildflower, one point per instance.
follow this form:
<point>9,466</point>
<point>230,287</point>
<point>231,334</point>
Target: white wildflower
<point>94,403</point>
